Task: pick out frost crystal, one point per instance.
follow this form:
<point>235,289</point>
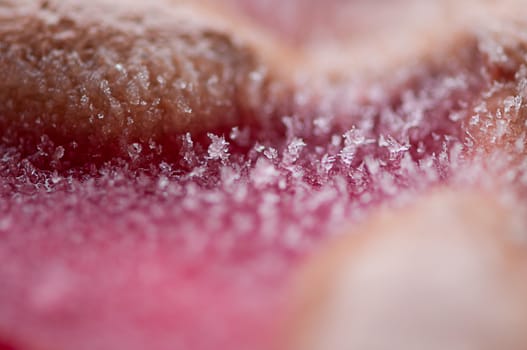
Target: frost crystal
<point>134,150</point>
<point>347,154</point>
<point>353,139</point>
<point>327,162</point>
<point>293,150</point>
<point>394,147</point>
<point>219,148</point>
<point>59,153</point>
<point>271,153</point>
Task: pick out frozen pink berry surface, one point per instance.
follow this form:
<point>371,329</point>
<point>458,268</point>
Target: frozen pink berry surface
<point>124,225</point>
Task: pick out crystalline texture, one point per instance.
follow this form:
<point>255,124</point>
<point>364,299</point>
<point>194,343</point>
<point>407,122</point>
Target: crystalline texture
<point>133,80</point>
<point>219,148</point>
<point>184,231</point>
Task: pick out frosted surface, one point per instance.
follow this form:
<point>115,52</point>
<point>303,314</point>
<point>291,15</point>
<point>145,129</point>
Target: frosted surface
<point>174,233</point>
<point>105,77</point>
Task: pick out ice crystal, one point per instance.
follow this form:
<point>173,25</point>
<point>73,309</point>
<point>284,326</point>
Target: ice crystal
<point>219,148</point>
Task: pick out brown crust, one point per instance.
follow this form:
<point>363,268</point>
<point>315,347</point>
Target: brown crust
<point>89,74</point>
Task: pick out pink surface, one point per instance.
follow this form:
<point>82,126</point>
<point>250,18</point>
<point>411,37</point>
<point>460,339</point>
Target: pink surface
<point>189,250</point>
